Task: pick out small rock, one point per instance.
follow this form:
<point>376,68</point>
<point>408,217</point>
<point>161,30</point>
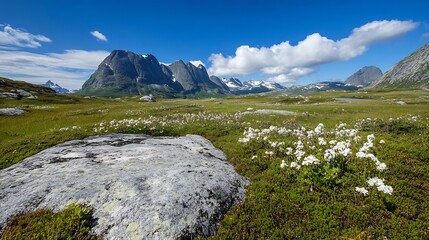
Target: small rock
<point>149,98</point>
<point>11,111</point>
<point>401,103</point>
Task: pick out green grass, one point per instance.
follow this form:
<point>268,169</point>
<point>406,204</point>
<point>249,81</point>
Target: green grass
<point>74,222</point>
<point>279,204</point>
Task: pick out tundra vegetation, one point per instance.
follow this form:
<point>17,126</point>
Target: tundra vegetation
<point>333,169</point>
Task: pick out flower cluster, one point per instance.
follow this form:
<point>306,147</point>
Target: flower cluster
<point>318,152</point>
<point>379,183</point>
<point>69,128</point>
<point>171,120</point>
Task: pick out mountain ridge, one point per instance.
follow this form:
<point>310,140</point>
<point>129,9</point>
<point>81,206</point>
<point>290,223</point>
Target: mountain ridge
<point>410,72</point>
<point>125,73</point>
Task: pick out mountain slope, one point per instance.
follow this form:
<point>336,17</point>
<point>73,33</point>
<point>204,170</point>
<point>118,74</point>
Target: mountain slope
<point>11,89</point>
<point>127,73</point>
<point>411,72</point>
<point>193,79</point>
<point>364,76</point>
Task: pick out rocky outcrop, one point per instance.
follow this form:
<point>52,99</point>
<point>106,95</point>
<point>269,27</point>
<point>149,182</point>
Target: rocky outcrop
<point>11,111</point>
<point>140,187</point>
<point>364,76</point>
<point>11,89</point>
<point>411,72</point>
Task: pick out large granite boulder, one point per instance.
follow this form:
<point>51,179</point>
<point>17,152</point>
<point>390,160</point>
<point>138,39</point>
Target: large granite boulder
<point>140,187</point>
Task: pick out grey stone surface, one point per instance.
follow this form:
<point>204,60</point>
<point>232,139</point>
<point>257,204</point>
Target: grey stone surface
<point>9,95</point>
<point>11,111</point>
<point>140,187</point>
<point>24,93</point>
<point>149,98</point>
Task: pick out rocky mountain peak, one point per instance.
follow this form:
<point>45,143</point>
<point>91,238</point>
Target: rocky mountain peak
<point>364,76</point>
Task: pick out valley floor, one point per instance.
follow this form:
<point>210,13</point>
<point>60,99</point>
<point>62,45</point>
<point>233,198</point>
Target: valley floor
<point>329,169</point>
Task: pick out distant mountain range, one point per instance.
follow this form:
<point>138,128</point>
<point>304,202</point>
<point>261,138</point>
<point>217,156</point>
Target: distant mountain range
<point>127,73</point>
<point>124,73</point>
<point>57,88</point>
<point>319,87</point>
<point>411,72</point>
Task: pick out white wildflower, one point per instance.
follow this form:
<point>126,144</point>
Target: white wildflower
<point>362,190</point>
<point>269,153</point>
<point>381,166</point>
<point>386,189</point>
<point>299,154</point>
<point>361,155</point>
<point>299,145</point>
<point>283,164</point>
<point>382,141</point>
<point>376,181</point>
<point>310,160</point>
<point>243,140</point>
<point>319,129</point>
<point>330,154</point>
<point>289,151</point>
<point>295,165</point>
<point>370,137</point>
<point>254,157</point>
<point>322,141</point>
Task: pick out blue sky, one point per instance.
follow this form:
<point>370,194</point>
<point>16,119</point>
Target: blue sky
<point>291,42</point>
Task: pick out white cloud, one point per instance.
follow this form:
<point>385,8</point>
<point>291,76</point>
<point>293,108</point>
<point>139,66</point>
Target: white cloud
<point>285,63</point>
<point>10,36</point>
<point>99,36</point>
<point>69,69</point>
<point>197,63</point>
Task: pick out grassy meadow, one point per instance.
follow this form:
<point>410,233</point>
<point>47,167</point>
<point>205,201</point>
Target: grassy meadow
<point>318,199</point>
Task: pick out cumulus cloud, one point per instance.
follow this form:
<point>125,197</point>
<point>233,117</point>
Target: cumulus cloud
<point>11,37</point>
<point>197,63</point>
<point>99,36</point>
<point>285,63</point>
<point>69,69</point>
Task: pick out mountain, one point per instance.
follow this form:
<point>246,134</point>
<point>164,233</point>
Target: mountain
<point>57,88</point>
<point>127,73</point>
<point>411,72</point>
<point>237,87</point>
<point>219,83</point>
<point>266,84</point>
<point>193,78</point>
<point>364,77</point>
<point>232,83</point>
<point>124,73</point>
<point>319,87</point>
